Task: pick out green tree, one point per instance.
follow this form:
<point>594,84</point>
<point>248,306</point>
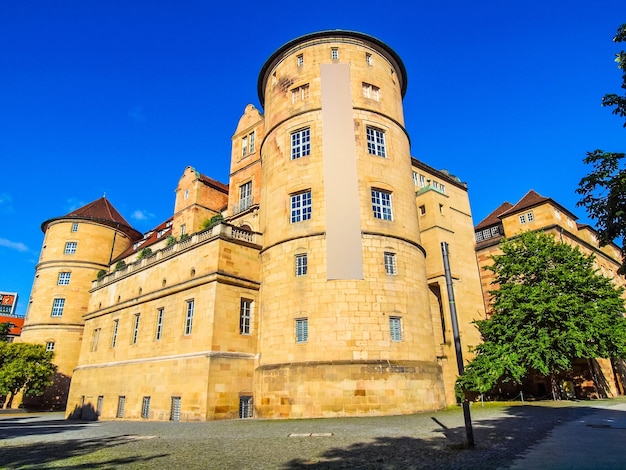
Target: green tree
<point>144,253</point>
<point>550,307</point>
<point>603,191</point>
<point>5,328</point>
<point>24,367</point>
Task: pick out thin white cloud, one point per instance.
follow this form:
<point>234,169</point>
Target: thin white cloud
<point>73,204</point>
<point>141,215</point>
<point>19,246</point>
<point>136,114</point>
<point>6,203</point>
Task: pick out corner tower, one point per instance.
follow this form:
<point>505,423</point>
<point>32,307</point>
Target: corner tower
<point>75,248</point>
<point>346,326</point>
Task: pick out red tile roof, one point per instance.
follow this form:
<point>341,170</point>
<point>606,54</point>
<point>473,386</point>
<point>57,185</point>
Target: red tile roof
<point>17,323</point>
<point>494,217</point>
<point>149,238</point>
<point>100,210</point>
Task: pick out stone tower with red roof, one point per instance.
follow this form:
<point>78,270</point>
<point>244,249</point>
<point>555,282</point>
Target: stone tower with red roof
<point>76,247</point>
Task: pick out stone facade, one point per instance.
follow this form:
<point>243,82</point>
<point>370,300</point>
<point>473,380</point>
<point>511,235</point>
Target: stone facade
<point>321,291</point>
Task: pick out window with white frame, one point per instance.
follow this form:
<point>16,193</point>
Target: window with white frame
<point>50,346</point>
<point>245,315</point>
<point>244,146</point>
<point>301,264</point>
<point>75,227</point>
<point>145,407</point>
<point>189,317</point>
<point>528,217</point>
<point>381,204</point>
<point>395,328</point>
<point>300,143</point>
<point>70,248</point>
<point>301,206</point>
<point>302,330</point>
<point>522,219</point>
<point>64,278</point>
<point>375,141</point>
<point>390,263</point>
<point>245,197</point>
<point>116,324</point>
<point>368,58</point>
<point>300,93</point>
<point>334,53</point>
<point>159,324</point>
<point>57,307</point>
<point>251,142</point>
<point>135,328</point>
<point>121,404</point>
<point>371,91</point>
<point>300,60</point>
<point>479,236</point>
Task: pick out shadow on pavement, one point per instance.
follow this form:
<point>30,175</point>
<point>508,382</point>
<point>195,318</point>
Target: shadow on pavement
<point>42,454</point>
<point>498,443</point>
<point>26,426</point>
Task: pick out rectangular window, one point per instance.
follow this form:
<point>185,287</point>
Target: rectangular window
<point>376,141</point>
<point>368,58</point>
<point>64,279</point>
<point>135,328</point>
<point>245,315</point>
<point>530,216</point>
<point>95,337</point>
<point>301,143</point>
<point>75,227</point>
<point>145,407</point>
<point>70,248</point>
<point>175,409</point>
<point>422,209</point>
<point>381,204</point>
<point>371,91</point>
<point>395,328</point>
<point>486,233</point>
<point>302,330</point>
<point>390,263</point>
<point>251,143</point>
<point>301,264</point>
<point>301,205</point>
<point>99,404</point>
<point>334,53</point>
<point>116,324</point>
<point>159,324</point>
<point>300,60</point>
<point>479,236</point>
<point>189,317</point>
<point>57,307</point>
<point>422,181</point>
<point>244,146</point>
<point>495,231</point>
<point>415,178</point>
<point>121,404</point>
<point>300,93</point>
<point>245,407</point>
<point>50,346</point>
<point>245,197</point>
<point>522,219</point>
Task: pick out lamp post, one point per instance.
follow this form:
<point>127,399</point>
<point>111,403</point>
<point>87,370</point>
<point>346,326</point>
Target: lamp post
<point>457,340</point>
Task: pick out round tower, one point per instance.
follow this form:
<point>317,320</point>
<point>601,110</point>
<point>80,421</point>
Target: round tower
<point>75,248</point>
<point>344,312</point>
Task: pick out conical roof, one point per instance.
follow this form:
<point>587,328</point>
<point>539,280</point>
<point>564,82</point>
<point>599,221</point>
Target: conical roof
<point>102,211</point>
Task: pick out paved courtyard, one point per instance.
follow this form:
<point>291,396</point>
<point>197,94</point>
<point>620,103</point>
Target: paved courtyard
<point>505,435</point>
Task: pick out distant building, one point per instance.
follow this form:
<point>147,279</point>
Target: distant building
<point>311,285</point>
<point>8,303</point>
<point>539,213</point>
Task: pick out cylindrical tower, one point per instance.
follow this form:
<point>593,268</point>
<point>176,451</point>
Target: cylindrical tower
<point>75,248</point>
<point>345,324</point>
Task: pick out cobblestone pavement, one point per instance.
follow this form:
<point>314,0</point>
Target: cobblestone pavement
<point>503,433</point>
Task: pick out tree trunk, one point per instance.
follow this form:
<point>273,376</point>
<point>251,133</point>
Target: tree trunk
<point>9,403</point>
<point>553,386</point>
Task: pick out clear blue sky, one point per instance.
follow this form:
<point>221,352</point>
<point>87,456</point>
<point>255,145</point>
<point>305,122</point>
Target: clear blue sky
<point>118,97</point>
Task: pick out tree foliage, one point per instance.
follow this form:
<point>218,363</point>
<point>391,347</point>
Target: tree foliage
<point>550,307</point>
<point>5,329</point>
<point>603,191</point>
<point>24,367</point>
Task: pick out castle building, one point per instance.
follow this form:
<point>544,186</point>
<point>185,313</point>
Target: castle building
<point>534,212</point>
<point>312,285</point>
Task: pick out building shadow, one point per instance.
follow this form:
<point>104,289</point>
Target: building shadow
<point>498,442</point>
<point>54,397</point>
<point>40,454</point>
<point>83,413</point>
